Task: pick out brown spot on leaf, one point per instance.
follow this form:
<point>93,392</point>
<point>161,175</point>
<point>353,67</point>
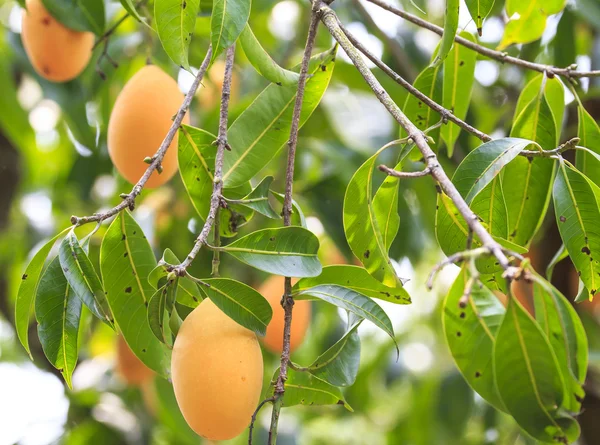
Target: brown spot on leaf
<point>367,254</point>
<point>128,290</point>
<point>562,218</point>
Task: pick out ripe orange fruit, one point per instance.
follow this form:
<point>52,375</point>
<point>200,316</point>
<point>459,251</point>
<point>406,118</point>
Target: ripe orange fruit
<point>56,52</point>
<point>272,290</point>
<point>139,123</point>
<point>217,372</point>
<point>130,368</point>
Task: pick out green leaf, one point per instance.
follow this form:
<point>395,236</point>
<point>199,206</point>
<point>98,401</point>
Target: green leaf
<point>565,41</point>
<point>58,312</point>
<point>196,158</point>
<point>262,61</point>
<point>563,328</point>
<point>528,378</point>
<point>554,94</point>
<point>129,6</point>
<point>298,218</point>
<point>263,128</point>
<point>458,78</point>
<point>479,10</point>
<point>589,133</point>
<point>385,208</point>
<point>560,255</point>
<point>430,83</point>
<point>339,364</point>
<point>528,20</point>
<point>126,260</point>
<point>450,28</point>
<point>79,15</point>
<point>361,224</point>
<point>288,251</point>
<point>577,207</point>
<point>175,22</point>
<point>258,199</point>
<point>527,181</point>
<point>82,278</point>
<point>157,310</point>
<point>229,18</point>
<point>24,303</point>
<point>240,302</point>
<point>470,332</point>
<point>357,279</point>
<point>484,163</point>
<point>352,301</point>
<point>477,180</point>
<point>303,388</point>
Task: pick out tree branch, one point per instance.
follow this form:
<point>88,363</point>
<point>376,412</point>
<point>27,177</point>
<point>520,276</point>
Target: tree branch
<point>222,145</point>
<point>568,72</point>
<point>287,301</point>
<point>129,199</point>
<point>330,20</point>
<point>253,419</point>
<point>399,174</point>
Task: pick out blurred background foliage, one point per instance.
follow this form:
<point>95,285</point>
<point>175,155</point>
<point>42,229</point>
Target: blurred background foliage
<point>54,163</point>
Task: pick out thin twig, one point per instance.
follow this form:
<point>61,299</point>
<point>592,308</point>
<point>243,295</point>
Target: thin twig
<point>569,72</point>
<point>221,143</point>
<point>104,38</point>
<point>455,258</point>
<point>571,144</point>
<point>253,420</point>
<point>445,113</point>
<point>437,172</point>
<point>287,301</point>
<point>129,198</point>
<point>399,174</point>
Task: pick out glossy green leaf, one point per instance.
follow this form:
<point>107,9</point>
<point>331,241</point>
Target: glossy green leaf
<point>528,20</point>
<point>352,301</point>
<point>577,207</point>
<point>263,128</point>
<point>175,22</point>
<point>484,163</point>
<point>228,19</point>
<point>288,251</point>
<point>126,260</point>
<point>589,133</point>
<point>450,28</point>
<point>82,277</point>
<point>24,303</point>
<point>479,10</point>
<point>303,388</point>
<point>529,380</point>
<point>129,6</point>
<point>563,328</point>
<point>79,15</point>
<point>430,83</point>
<point>385,208</point>
<point>258,199</point>
<point>58,312</point>
<point>240,302</point>
<point>196,158</point>
<point>565,41</point>
<point>470,332</point>
<point>458,79</point>
<point>361,224</point>
<point>554,93</point>
<point>158,313</point>
<point>339,364</point>
<point>357,279</point>
<point>527,181</point>
<point>560,255</point>
<point>262,61</point>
